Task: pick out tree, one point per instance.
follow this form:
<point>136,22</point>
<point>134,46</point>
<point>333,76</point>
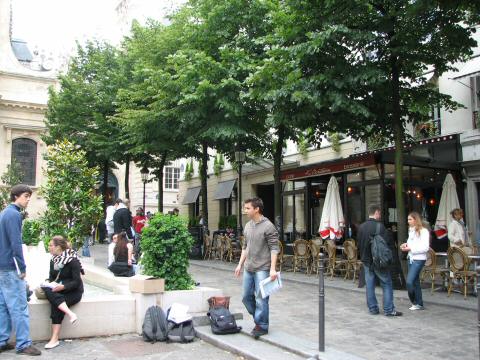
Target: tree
<point>81,109</point>
<point>12,176</point>
<point>72,206</point>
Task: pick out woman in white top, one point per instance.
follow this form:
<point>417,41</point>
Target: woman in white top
<point>457,231</point>
<point>417,246</point>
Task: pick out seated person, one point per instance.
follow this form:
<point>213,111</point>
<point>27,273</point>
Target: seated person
<point>64,287</point>
<point>123,257</point>
<point>111,247</point>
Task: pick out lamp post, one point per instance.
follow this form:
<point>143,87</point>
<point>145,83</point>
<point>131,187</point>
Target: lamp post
<point>144,174</point>
<point>239,159</point>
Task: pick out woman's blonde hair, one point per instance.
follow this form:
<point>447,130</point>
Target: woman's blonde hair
<point>418,221</point>
<point>456,212</point>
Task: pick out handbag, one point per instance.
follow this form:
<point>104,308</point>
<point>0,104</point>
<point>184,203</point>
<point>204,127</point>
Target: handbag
<point>219,301</point>
<point>40,293</point>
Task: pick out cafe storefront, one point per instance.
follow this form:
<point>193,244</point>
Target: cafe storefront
<point>369,179</point>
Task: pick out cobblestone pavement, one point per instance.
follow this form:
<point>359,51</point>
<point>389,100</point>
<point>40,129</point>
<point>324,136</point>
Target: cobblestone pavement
<point>126,347</point>
<point>438,332</point>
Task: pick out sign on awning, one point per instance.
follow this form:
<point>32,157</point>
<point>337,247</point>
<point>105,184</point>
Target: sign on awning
<point>191,196</point>
<point>224,190</point>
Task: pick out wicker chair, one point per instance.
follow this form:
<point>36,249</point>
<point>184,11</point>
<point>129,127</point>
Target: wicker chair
<point>334,264</point>
<point>459,266</point>
<point>283,258</point>
<point>207,247</point>
<point>351,255</point>
<point>301,255</point>
<point>217,247</point>
<point>315,251</point>
<point>230,252</point>
<point>431,270</point>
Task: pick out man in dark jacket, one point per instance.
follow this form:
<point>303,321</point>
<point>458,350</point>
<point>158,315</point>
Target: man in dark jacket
<point>122,219</point>
<point>13,299</point>
<point>366,232</point>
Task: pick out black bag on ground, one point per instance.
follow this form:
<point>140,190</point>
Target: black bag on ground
<point>381,253</point>
<point>155,326</point>
<point>222,321</point>
<point>183,332</point>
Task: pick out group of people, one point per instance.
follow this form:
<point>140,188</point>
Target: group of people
<point>63,288</point>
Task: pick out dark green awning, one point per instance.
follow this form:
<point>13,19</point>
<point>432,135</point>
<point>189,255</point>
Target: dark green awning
<point>224,189</point>
<point>191,196</point>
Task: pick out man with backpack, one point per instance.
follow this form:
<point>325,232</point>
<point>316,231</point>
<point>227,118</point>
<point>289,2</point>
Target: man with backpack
<point>259,253</point>
<point>374,245</point>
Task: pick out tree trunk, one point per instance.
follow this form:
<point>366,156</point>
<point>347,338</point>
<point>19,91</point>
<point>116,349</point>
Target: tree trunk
<point>277,163</point>
<point>127,176</point>
<point>105,185</point>
<point>398,132</point>
<point>161,166</point>
<point>203,177</point>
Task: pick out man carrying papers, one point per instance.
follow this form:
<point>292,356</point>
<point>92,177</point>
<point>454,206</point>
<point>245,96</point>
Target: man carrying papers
<point>259,253</point>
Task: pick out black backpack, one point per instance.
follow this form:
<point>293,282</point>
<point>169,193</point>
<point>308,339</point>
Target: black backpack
<point>222,321</point>
<point>182,332</point>
<point>381,253</point>
<point>155,326</point>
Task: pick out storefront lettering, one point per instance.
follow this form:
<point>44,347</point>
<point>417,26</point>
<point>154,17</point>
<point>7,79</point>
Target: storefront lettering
<point>317,171</point>
<point>354,166</point>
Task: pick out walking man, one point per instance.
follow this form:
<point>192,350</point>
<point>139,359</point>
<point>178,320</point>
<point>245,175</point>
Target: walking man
<point>259,253</point>
<point>122,219</point>
<point>13,298</point>
<point>366,232</point>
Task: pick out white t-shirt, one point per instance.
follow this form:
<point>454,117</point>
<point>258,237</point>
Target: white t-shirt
<point>111,257</point>
<point>109,218</point>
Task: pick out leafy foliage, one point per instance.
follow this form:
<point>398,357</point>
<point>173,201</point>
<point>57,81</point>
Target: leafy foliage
<point>12,176</point>
<point>72,206</point>
<point>32,231</point>
<point>166,244</point>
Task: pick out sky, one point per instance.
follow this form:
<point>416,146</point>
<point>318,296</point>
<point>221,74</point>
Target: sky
<point>54,25</point>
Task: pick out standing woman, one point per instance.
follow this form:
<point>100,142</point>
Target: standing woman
<point>417,245</point>
<point>67,290</point>
<point>457,230</point>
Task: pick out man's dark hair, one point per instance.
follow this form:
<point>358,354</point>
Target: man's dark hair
<point>372,209</point>
<point>256,203</point>
<point>119,201</point>
<point>18,190</point>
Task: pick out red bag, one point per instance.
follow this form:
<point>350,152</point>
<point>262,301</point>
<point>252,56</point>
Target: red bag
<point>219,301</point>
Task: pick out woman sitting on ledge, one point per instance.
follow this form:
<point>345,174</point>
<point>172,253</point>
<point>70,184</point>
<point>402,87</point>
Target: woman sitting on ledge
<point>65,286</point>
<point>123,255</point>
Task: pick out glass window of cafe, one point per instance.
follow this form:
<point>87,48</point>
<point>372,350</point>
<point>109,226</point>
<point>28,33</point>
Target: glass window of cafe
<point>303,200</point>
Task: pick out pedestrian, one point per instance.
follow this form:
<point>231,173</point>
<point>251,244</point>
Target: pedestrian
<point>13,298</point>
<point>138,222</point>
<point>259,254</point>
<point>110,211</point>
<point>122,219</point>
<point>417,247</point>
<point>64,287</point>
<point>457,230</point>
<point>366,232</point>
<point>123,257</point>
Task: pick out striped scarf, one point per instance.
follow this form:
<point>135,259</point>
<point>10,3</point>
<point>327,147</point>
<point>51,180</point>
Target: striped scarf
<point>59,261</point>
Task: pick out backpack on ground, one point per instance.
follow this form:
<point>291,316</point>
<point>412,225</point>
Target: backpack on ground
<point>180,324</point>
<point>222,321</point>
<point>155,326</point>
<point>381,253</point>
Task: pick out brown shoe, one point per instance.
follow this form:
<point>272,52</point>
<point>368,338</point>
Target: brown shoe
<point>30,351</point>
<point>7,347</point>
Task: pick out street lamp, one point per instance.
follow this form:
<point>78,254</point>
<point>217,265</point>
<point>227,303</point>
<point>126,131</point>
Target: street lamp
<point>240,160</point>
<point>144,174</point>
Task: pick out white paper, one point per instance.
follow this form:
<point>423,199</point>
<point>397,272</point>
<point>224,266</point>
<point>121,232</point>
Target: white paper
<point>269,287</point>
<point>179,313</point>
<point>50,285</point>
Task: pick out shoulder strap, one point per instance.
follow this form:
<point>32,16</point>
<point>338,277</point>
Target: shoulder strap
<point>377,230</point>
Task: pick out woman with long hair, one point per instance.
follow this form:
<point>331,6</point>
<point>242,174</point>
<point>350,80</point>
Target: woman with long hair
<point>123,256</point>
<point>417,246</point>
<point>64,287</point>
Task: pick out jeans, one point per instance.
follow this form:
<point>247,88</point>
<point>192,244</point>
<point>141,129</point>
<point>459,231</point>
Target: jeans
<point>252,299</point>
<point>413,281</point>
<point>13,309</point>
<point>386,283</point>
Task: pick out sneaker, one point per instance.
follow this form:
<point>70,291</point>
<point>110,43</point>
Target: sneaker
<point>415,307</point>
<point>6,347</point>
<point>258,331</point>
<point>374,312</point>
<point>30,351</point>
<point>394,313</point>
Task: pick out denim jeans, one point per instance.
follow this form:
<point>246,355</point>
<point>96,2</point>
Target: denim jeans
<point>386,283</point>
<point>252,299</point>
<point>13,309</point>
<point>413,281</point>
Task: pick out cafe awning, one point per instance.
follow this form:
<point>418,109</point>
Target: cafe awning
<point>191,196</point>
<point>224,189</point>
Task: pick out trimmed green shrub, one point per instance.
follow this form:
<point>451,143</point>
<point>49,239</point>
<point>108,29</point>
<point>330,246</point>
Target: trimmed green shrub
<point>166,244</point>
<point>31,232</point>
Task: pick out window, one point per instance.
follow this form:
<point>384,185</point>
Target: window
<point>24,153</point>
<point>172,174</point>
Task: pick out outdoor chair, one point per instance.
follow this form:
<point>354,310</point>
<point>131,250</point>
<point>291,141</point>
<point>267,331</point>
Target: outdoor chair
<point>207,247</point>
<point>459,266</point>
<point>432,270</point>
<point>301,255</point>
<point>351,255</point>
<point>217,247</point>
<point>315,251</point>
<point>230,251</point>
<point>334,264</point>
<point>283,258</point>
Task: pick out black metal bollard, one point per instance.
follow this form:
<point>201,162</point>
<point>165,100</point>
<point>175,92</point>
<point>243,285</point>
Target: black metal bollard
<point>321,306</point>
